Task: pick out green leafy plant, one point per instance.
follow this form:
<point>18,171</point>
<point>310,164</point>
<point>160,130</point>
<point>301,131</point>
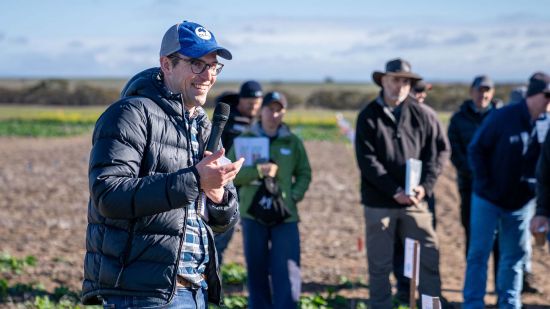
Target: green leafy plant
<point>235,302</point>
<point>233,273</point>
<point>313,302</point>
<point>11,264</point>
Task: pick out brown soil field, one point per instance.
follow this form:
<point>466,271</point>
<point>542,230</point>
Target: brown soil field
<point>44,193</point>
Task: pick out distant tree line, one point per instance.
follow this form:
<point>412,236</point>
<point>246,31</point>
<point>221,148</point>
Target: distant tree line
<point>62,92</point>
<point>58,92</point>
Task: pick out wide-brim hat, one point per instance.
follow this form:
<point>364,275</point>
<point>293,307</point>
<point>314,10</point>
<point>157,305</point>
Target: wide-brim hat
<point>397,67</point>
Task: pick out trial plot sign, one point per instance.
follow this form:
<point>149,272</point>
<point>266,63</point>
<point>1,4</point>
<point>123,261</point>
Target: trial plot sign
<point>412,260</point>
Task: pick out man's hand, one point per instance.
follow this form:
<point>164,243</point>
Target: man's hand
<point>420,194</point>
<point>268,169</point>
<point>539,223</point>
<point>215,195</point>
<point>215,176</point>
<point>402,198</point>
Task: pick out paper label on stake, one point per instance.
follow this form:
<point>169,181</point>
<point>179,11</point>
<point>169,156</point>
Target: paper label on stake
<point>409,253</point>
<point>429,302</point>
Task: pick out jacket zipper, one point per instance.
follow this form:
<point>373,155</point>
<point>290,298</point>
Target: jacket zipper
<point>178,257</point>
<point>124,257</point>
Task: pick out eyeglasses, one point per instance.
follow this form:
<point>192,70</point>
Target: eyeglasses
<point>199,66</point>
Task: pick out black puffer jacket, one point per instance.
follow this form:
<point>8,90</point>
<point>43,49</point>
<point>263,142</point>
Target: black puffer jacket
<point>141,181</point>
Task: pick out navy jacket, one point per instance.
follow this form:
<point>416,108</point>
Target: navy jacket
<point>543,180</point>
<point>503,155</point>
<point>236,124</point>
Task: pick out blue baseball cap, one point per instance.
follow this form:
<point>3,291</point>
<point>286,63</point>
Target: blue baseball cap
<point>192,40</point>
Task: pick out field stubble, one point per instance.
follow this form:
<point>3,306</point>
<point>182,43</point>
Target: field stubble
<point>43,189</point>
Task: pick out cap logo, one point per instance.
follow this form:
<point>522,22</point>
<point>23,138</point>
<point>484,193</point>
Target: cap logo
<point>203,33</point>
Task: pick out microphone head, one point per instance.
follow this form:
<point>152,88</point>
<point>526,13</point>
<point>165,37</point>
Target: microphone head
<point>221,112</point>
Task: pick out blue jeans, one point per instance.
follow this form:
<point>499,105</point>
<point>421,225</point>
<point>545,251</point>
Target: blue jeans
<point>185,298</point>
<point>514,241</point>
<point>272,252</point>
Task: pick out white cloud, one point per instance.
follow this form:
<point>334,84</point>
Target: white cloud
<point>309,48</point>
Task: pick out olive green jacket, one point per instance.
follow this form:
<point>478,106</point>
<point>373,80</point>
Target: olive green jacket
<point>293,174</point>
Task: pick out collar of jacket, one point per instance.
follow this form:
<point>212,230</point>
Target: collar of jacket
<point>388,111</point>
<point>150,84</point>
<point>282,131</point>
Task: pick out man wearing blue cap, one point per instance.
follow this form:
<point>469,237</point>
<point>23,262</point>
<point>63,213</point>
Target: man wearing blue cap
<point>244,109</point>
<point>156,195</point>
<point>503,155</point>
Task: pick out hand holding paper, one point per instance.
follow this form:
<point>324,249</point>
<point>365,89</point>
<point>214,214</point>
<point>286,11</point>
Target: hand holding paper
<point>412,176</point>
<point>268,169</point>
<point>213,175</point>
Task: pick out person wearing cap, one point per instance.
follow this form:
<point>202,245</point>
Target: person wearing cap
<point>503,155</point>
<point>156,195</point>
<point>419,91</point>
<point>273,250</point>
<point>390,130</point>
<point>244,110</point>
<point>517,94</point>
<point>463,125</point>
<point>540,223</point>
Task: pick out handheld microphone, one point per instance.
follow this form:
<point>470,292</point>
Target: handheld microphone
<point>221,114</point>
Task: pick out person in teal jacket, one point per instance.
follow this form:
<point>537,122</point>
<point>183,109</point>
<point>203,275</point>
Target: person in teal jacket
<point>274,250</point>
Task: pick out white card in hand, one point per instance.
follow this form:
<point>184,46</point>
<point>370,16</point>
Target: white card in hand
<point>412,176</point>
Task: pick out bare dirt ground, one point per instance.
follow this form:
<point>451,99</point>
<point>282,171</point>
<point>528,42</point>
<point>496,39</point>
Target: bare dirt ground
<point>44,193</point>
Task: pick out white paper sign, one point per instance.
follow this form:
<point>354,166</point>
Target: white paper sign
<point>409,253</point>
<point>542,128</point>
<point>412,176</point>
<point>252,149</point>
<point>429,302</point>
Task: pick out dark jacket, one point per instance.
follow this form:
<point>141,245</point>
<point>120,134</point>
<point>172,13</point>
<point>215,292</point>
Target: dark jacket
<point>141,182</point>
<point>442,145</point>
<point>543,180</point>
<point>236,124</point>
<point>382,147</point>
<point>503,155</point>
<point>462,127</point>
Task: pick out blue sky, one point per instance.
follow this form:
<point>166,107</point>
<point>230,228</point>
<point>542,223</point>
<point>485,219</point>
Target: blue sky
<point>281,40</point>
